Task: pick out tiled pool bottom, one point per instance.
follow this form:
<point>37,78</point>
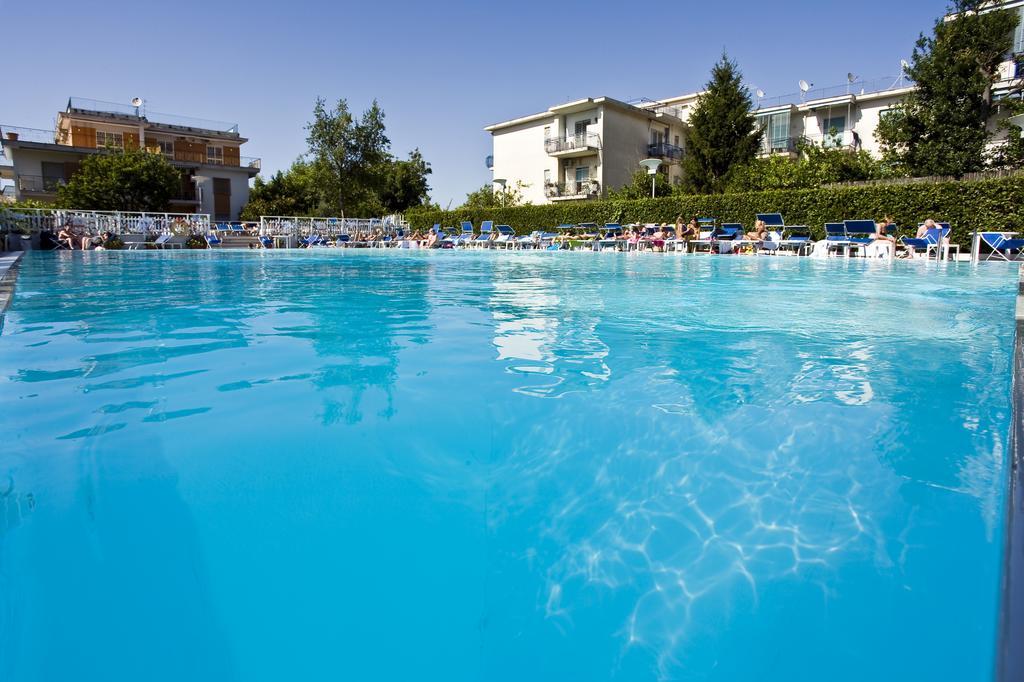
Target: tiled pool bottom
<point>458,466</point>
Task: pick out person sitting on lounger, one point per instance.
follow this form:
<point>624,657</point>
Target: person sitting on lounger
<point>658,239</point>
<point>882,231</point>
<point>432,240</point>
<point>922,232</point>
<point>691,231</point>
<point>760,232</point>
<point>68,236</point>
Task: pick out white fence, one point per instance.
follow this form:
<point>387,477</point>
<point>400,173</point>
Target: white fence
<point>35,220</point>
<point>303,226</point>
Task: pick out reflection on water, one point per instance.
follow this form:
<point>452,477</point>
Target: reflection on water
<point>506,466</point>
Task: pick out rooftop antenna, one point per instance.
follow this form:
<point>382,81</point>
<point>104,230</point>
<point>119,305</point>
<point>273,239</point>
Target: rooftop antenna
<point>804,87</point>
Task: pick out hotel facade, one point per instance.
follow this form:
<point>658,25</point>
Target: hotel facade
<point>208,154</point>
<point>583,149</point>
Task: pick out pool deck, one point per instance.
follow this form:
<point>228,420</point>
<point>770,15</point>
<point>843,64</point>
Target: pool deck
<point>8,273</point>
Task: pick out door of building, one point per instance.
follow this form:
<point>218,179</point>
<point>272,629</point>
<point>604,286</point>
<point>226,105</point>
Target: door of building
<point>221,199</point>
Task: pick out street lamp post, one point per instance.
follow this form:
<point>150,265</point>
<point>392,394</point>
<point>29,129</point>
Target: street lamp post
<point>652,169</point>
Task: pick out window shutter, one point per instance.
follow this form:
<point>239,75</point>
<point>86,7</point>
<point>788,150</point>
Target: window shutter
<point>83,136</point>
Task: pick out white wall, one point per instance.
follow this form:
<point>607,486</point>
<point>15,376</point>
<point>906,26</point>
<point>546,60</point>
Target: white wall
<point>519,156</point>
<point>239,188</point>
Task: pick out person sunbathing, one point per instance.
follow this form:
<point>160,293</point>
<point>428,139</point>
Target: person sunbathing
<point>691,231</point>
<point>759,234</point>
<point>658,239</point>
<point>432,240</point>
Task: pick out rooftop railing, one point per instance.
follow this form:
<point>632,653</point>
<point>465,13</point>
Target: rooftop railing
<point>553,145</point>
<point>117,109</point>
<point>23,134</point>
<point>860,87</point>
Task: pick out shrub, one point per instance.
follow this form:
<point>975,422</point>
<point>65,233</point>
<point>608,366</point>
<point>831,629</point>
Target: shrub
<point>115,243</point>
<point>967,205</point>
<point>194,241</point>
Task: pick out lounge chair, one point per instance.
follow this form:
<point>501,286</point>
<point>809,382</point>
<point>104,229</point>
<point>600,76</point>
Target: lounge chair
<point>837,239</point>
<point>704,241</point>
<point>1002,246</point>
<point>213,240</point>
<point>610,240</point>
<point>264,242</point>
<point>796,238</point>
<point>483,239</point>
<point>933,237</point>
<point>773,221</point>
<point>726,237</point>
<point>505,238</point>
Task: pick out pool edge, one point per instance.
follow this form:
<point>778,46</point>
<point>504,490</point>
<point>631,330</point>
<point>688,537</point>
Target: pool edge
<point>1010,655</point>
<point>8,276</point>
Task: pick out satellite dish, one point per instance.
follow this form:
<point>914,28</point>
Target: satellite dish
<point>905,64</point>
<point>850,77</point>
<point>760,93</point>
<point>136,101</point>
<point>804,86</point>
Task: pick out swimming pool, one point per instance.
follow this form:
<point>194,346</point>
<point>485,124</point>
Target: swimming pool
<point>481,466</point>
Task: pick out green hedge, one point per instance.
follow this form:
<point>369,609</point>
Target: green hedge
<point>967,205</point>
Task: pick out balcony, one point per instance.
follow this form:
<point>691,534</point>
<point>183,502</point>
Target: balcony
<point>778,145</point>
<point>581,144</point>
<point>563,191</point>
<point>38,184</point>
<point>22,134</point>
<point>663,150</point>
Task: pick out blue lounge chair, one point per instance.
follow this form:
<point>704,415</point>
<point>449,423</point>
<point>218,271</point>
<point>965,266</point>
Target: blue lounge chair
<point>213,240</point>
<point>836,238</point>
<point>342,240</point>
<point>264,242</point>
<point>312,240</point>
<point>773,221</point>
<point>610,240</point>
<point>796,238</point>
<point>505,238</point>
<point>930,242</point>
<point>1003,246</point>
<point>484,238</point>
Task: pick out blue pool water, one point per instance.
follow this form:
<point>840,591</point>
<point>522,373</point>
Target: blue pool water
<point>501,467</point>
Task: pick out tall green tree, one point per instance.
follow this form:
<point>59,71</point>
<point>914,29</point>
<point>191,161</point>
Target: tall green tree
<point>405,183</point>
<point>941,127</point>
<point>723,134</point>
<point>347,154</point>
<point>116,180</point>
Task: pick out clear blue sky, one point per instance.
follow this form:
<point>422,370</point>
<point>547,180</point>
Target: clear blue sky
<point>441,71</point>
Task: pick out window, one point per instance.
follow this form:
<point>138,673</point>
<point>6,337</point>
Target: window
<point>581,127</point>
<point>776,132</point>
<point>109,139</point>
<point>547,176</point>
<point>547,132</point>
<point>832,129</point>
<point>215,155</point>
<point>582,173</point>
<point>1018,33</point>
<point>166,147</point>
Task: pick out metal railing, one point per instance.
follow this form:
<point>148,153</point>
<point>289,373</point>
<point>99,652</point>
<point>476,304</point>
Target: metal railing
<point>860,87</point>
<point>95,222</point>
<point>23,134</point>
<point>553,145</point>
<point>586,189</point>
<point>783,145</point>
<point>118,109</point>
<point>303,226</point>
<point>39,183</point>
<point>665,151</point>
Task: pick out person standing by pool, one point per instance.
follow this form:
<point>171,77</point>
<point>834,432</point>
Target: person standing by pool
<point>658,239</point>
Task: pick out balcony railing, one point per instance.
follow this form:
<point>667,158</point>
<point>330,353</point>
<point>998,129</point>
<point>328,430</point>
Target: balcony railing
<point>39,183</point>
<point>587,189</point>
<point>581,141</point>
<point>663,150</point>
<point>778,145</point>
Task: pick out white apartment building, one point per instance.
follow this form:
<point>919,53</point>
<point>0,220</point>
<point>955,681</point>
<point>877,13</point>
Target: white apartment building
<point>214,175</point>
<point>583,149</point>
